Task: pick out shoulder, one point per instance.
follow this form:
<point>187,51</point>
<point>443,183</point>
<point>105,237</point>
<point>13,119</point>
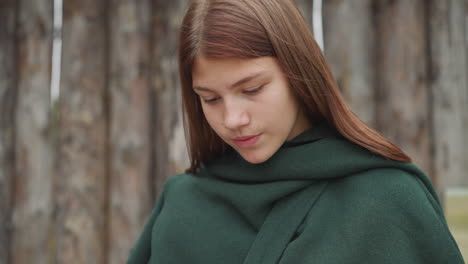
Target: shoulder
<point>181,185</point>
<point>384,215</point>
<point>174,181</point>
<point>386,194</point>
<point>386,185</point>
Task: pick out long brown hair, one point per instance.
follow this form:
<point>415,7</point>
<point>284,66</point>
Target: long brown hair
<point>251,29</point>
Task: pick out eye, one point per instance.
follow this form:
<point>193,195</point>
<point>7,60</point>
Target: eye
<point>254,91</point>
<point>211,100</point>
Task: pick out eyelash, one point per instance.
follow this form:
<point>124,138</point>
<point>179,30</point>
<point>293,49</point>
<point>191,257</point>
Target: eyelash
<point>254,91</point>
<point>248,92</point>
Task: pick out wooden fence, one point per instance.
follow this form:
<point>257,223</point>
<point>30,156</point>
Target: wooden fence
<point>79,176</point>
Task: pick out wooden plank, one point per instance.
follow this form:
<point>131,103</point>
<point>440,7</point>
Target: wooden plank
<point>465,126</point>
<point>130,185</point>
<point>32,212</point>
<point>305,6</point>
<point>7,125</point>
<point>170,153</point>
<point>82,158</point>
<point>402,81</point>
<point>349,50</point>
<point>448,83</point>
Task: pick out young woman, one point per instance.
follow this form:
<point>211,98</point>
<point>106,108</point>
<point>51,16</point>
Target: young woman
<point>281,170</point>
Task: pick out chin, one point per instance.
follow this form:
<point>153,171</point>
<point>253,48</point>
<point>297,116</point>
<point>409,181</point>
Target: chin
<point>254,157</point>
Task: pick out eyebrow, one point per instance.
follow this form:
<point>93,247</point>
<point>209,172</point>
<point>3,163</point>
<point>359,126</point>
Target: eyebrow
<point>237,83</point>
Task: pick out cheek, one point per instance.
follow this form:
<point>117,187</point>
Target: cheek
<point>279,103</point>
<point>211,117</point>
<point>287,100</point>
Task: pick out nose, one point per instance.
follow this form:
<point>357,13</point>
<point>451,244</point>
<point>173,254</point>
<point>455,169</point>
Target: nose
<point>235,115</point>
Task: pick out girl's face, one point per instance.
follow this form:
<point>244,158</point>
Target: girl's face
<point>249,104</point>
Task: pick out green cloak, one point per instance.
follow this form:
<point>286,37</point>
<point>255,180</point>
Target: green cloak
<point>318,199</point>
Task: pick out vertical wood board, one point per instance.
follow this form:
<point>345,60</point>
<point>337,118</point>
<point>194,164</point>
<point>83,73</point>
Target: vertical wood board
<point>403,97</point>
<point>7,125</point>
<point>169,147</point>
<point>448,85</point>
<point>130,186</point>
<point>32,212</point>
<point>81,179</point>
<point>349,50</point>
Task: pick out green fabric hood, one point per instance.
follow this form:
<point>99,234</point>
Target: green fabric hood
<point>319,153</point>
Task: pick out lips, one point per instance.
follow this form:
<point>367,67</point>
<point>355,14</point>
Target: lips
<point>244,138</point>
<point>246,141</point>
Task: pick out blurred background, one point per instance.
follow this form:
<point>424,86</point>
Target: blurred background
<point>90,121</point>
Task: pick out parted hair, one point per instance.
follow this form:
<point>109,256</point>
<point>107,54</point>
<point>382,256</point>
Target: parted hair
<point>256,28</point>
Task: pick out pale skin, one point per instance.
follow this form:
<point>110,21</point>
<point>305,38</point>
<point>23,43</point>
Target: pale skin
<point>262,107</point>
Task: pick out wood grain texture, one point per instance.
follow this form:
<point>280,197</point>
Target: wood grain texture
<point>131,200</point>
<point>32,212</point>
<point>448,83</point>
<point>81,227</point>
<point>305,6</point>
<point>8,11</point>
<point>349,50</point>
<point>403,105</point>
<point>169,149</point>
<point>465,126</point>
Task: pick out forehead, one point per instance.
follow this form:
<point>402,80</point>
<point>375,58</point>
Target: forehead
<point>211,72</point>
